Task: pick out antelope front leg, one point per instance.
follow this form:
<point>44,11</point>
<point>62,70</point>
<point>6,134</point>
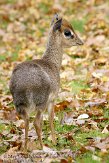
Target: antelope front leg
<point>51,120</point>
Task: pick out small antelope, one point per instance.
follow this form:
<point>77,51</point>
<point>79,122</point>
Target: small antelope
<point>34,84</point>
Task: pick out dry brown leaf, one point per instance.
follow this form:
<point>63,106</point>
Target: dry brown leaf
<point>63,161</point>
<point>103,144</point>
<point>12,115</point>
<point>96,102</point>
<point>61,106</point>
<point>68,118</point>
<point>95,111</point>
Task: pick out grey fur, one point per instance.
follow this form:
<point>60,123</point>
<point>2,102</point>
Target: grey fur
<point>35,83</point>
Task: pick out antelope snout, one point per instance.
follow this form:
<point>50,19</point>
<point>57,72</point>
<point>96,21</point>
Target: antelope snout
<point>80,42</point>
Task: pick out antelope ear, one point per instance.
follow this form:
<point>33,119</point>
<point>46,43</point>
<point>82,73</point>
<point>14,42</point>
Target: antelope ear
<point>57,25</point>
<point>55,18</point>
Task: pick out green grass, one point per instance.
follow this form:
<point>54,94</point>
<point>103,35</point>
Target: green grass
<point>80,139</point>
<point>78,25</point>
<point>43,7</point>
<point>6,127</point>
<point>79,136</point>
<point>12,56</point>
<point>3,149</point>
<point>86,158</point>
<point>2,127</point>
<point>5,88</point>
<point>63,128</point>
<point>78,85</point>
<point>3,57</point>
<point>3,23</point>
<point>11,1</point>
<point>42,30</point>
<point>106,112</point>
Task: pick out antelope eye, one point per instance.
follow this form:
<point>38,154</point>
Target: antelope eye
<point>67,33</point>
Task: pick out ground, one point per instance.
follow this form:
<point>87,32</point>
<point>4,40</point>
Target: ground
<point>82,107</point>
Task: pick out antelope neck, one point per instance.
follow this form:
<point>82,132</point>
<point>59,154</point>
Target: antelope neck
<point>54,51</point>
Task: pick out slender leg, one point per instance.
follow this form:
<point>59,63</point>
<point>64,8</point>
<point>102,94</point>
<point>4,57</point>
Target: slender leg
<point>38,127</point>
<point>26,132</point>
<point>26,119</point>
<point>51,119</point>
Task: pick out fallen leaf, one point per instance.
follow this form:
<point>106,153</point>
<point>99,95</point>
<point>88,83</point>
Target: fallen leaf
<point>103,144</point>
<point>95,111</point>
<point>61,106</point>
<point>63,161</point>
<point>83,116</point>
<point>96,102</point>
<point>68,119</point>
<point>106,129</point>
<point>80,121</point>
<point>11,115</point>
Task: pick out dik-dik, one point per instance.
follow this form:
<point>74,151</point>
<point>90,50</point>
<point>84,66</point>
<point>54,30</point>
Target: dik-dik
<point>34,84</point>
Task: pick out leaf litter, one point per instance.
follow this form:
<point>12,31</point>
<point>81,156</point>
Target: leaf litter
<point>82,107</point>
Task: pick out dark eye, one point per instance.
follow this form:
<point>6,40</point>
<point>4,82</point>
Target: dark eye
<point>67,33</point>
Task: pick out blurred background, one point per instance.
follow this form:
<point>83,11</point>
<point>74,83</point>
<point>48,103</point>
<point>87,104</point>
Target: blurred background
<point>24,27</point>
